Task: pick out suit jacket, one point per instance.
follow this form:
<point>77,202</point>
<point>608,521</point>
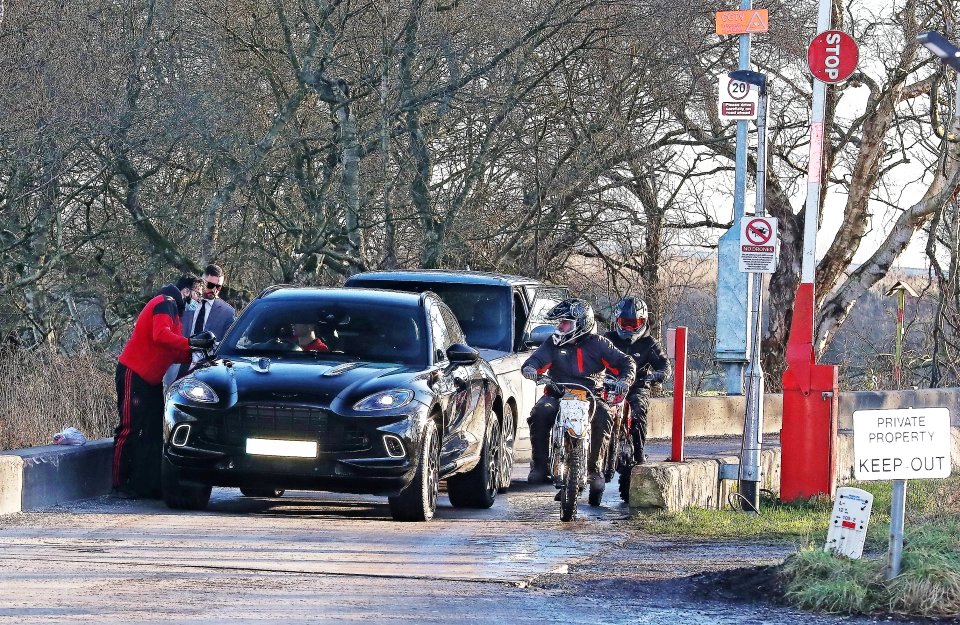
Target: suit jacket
<point>219,318</point>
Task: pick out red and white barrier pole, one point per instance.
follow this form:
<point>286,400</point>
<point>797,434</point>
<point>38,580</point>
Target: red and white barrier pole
<point>679,392</point>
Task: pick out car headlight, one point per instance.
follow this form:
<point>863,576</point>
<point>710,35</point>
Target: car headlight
<point>195,390</point>
<point>385,400</point>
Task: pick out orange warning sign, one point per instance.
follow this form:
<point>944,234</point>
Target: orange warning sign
<point>741,22</point>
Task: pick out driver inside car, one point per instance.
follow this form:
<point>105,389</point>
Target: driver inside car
<point>575,355</point>
<point>306,337</point>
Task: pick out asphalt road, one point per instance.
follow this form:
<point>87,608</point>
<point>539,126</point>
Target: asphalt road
<point>318,557</point>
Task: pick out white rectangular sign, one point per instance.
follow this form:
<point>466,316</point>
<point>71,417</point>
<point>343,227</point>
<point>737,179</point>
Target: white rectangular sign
<point>758,244</point>
<point>903,444</point>
<point>736,100</point>
<point>848,524</point>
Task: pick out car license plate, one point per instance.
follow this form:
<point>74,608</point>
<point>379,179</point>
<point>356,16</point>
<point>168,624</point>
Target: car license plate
<point>286,449</point>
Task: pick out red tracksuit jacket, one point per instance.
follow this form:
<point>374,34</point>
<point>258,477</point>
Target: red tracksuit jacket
<point>157,340</point>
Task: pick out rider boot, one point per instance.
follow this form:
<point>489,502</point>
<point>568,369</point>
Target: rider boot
<point>594,465</point>
<point>539,473</point>
<point>638,456</point>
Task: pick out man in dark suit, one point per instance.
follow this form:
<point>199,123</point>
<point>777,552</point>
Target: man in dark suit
<point>213,314</point>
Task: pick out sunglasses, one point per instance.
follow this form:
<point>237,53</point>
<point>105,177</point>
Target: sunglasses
<point>213,286</point>
<point>630,325</point>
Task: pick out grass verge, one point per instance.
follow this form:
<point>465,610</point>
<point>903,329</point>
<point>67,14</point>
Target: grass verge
<point>929,582</point>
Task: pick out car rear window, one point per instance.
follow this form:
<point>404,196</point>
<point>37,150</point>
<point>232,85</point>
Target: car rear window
<point>301,329</point>
<point>484,311</point>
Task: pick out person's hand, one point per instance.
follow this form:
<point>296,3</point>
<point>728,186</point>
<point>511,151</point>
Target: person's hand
<point>529,372</point>
<point>203,340</point>
<point>620,386</point>
<point>555,390</point>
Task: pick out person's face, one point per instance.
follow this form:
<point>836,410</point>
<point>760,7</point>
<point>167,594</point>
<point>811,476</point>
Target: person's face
<point>565,325</point>
<point>189,294</point>
<point>303,331</point>
<point>211,286</point>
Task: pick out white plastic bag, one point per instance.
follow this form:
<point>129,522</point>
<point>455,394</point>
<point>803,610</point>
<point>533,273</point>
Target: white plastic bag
<point>69,436</point>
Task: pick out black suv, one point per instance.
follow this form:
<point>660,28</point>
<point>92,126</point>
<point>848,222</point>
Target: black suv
<point>498,312</point>
<point>347,390</point>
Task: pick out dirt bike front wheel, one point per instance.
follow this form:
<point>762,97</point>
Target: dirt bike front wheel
<point>570,488</point>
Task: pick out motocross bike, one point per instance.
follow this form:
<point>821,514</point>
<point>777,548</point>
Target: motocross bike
<point>619,457</point>
<point>570,442</point>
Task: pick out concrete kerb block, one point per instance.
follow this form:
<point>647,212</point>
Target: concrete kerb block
<point>11,484</point>
<point>56,474</point>
<point>674,486</point>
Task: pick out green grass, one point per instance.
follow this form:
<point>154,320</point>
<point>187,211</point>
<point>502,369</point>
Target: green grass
<point>929,581</point>
<point>928,584</point>
<point>804,522</point>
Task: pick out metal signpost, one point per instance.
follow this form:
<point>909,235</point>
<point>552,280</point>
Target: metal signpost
<point>756,229</point>
<point>733,287</point>
<point>901,445</point>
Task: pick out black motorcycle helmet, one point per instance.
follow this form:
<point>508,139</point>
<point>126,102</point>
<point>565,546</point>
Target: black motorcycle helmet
<point>631,318</point>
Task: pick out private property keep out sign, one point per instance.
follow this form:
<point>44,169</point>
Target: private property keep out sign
<point>901,444</point>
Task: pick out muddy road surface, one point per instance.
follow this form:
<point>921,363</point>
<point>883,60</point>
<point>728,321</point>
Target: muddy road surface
<point>323,558</point>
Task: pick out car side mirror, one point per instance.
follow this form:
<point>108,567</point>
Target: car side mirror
<point>460,355</point>
<point>539,335</point>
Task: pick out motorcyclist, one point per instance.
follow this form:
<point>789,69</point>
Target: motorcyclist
<point>578,356</point>
<point>631,335</point>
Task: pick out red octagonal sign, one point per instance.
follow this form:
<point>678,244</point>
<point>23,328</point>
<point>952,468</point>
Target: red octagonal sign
<point>832,56</point>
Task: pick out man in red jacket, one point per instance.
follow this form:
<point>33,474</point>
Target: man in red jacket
<point>156,343</point>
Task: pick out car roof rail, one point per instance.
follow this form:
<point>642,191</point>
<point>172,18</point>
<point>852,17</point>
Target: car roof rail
<point>276,287</point>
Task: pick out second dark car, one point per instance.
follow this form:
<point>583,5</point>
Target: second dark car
<point>348,390</point>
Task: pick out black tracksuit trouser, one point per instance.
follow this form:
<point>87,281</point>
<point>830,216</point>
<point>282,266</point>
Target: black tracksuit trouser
<point>138,437</point>
<point>639,405</point>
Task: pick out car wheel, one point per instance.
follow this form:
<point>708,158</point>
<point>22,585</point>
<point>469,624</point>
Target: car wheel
<point>477,488</point>
<point>263,493</point>
<point>181,495</point>
<point>508,440</point>
<point>418,501</point>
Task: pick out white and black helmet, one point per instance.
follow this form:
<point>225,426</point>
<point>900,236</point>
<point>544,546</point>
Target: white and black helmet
<point>580,315</point>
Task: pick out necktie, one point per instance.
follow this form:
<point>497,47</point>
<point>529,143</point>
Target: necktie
<point>201,318</point>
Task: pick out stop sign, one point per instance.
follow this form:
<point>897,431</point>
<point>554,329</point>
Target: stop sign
<point>832,56</point>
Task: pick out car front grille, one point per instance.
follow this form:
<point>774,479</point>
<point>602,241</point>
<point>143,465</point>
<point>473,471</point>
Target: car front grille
<point>335,434</point>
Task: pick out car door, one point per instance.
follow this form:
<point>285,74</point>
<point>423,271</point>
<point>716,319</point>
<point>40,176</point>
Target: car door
<point>542,298</point>
<point>456,385</point>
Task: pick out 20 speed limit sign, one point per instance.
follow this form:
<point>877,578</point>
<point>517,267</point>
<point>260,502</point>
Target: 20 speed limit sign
<point>758,244</point>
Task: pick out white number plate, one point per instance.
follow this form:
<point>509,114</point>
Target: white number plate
<point>286,449</point>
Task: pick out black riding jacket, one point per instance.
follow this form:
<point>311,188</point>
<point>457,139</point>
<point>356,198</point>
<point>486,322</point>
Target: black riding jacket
<point>652,363</point>
<point>583,361</point>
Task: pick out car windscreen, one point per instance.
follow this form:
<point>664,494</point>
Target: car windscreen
<point>484,311</point>
<point>301,329</point>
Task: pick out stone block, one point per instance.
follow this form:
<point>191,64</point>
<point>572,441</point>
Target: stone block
<point>674,486</point>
